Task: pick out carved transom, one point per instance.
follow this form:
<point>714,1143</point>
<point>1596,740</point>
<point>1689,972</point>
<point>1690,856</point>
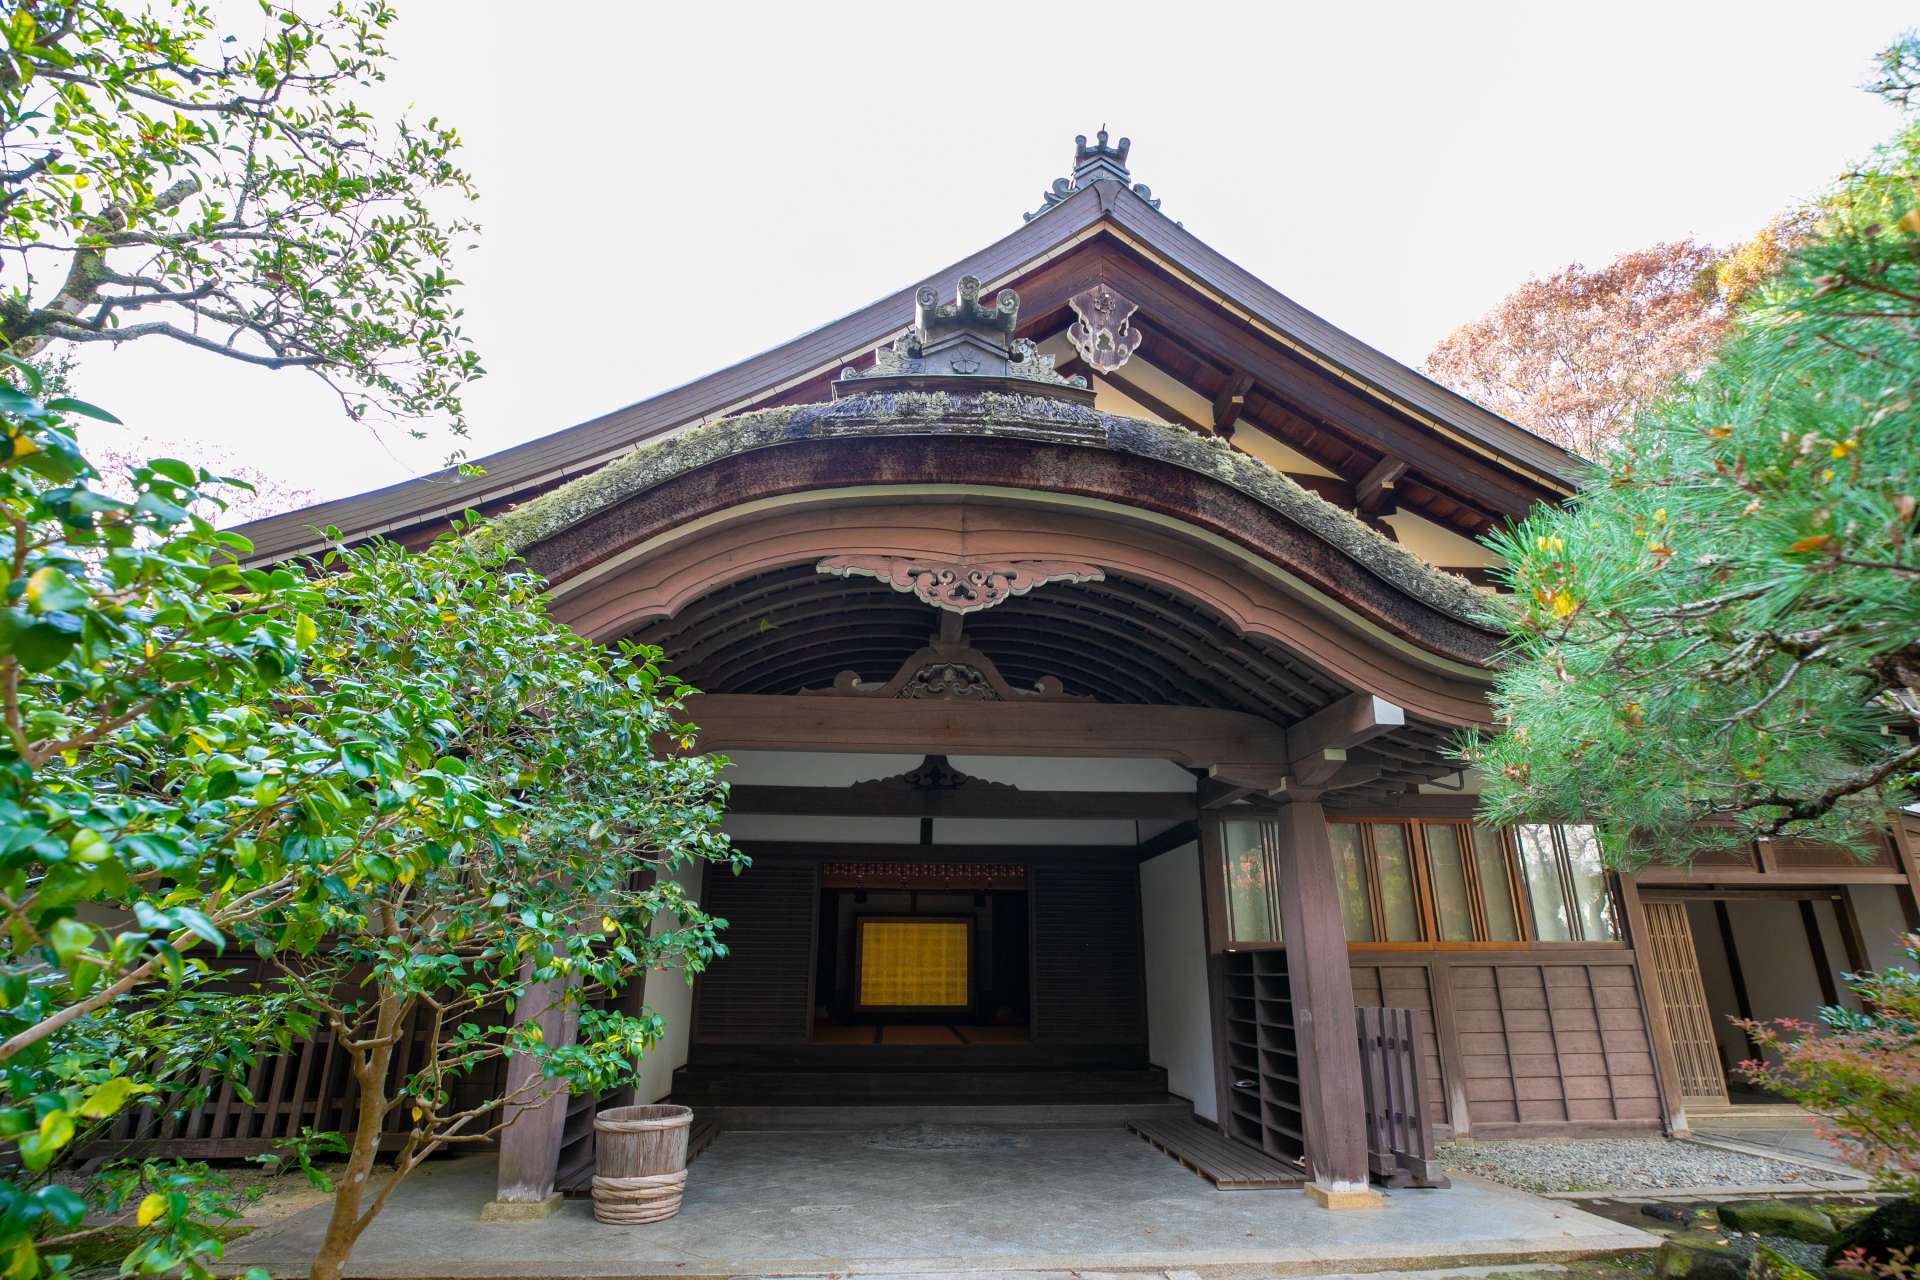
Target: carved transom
<point>960,587</point>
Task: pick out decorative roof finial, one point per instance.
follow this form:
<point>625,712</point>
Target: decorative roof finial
<point>960,345</point>
<point>1098,163</point>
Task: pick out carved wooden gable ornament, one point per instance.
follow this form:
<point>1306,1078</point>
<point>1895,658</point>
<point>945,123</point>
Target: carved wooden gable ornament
<point>1103,335</point>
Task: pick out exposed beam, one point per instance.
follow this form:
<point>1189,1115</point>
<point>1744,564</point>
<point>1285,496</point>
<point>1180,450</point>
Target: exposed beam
<point>974,800</point>
<point>1197,737</point>
<point>1167,841</point>
<point>1354,719</point>
<point>1320,768</point>
<point>1232,400</point>
<point>1374,495</point>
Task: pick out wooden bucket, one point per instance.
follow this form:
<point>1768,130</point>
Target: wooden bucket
<point>640,1162</point>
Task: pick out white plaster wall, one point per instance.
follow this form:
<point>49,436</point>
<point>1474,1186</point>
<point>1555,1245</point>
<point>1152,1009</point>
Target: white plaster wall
<point>1436,544</point>
<point>814,768</point>
<point>1775,960</point>
<point>1070,773</point>
<point>1029,773</point>
<point>824,827</point>
<point>668,995</point>
<point>1275,453</point>
<point>1179,1027</point>
<point>1717,978</point>
<point>1882,925</point>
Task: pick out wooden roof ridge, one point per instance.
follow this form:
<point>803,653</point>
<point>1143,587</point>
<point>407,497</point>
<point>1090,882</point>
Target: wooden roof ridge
<point>1100,208</point>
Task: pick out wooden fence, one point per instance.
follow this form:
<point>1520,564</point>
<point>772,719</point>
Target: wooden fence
<point>1400,1145</point>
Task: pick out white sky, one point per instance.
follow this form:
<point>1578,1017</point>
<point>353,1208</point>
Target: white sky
<point>668,189</point>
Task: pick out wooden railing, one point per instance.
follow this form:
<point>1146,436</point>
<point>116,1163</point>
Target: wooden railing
<point>1400,1146</point>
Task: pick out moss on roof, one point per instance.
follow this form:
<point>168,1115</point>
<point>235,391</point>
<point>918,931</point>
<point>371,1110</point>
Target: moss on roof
<point>989,414</point>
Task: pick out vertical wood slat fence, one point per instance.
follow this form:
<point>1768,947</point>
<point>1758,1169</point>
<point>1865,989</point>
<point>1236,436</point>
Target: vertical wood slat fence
<point>1400,1145</point>
<point>309,1087</point>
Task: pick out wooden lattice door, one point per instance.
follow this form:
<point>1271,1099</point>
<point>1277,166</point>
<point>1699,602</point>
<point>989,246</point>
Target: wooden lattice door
<point>1683,997</point>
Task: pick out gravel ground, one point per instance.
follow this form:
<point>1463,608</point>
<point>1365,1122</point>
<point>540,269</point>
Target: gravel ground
<point>1618,1164</point>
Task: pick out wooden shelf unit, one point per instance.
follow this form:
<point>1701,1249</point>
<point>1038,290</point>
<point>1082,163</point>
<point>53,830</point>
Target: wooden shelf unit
<point>1264,1093</point>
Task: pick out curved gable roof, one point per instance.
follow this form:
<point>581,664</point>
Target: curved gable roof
<point>1102,208</point>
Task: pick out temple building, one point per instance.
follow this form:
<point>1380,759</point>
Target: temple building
<point>1088,623</point>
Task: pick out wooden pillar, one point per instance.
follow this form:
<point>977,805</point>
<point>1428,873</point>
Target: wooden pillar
<point>1333,1104</point>
<point>530,1143</point>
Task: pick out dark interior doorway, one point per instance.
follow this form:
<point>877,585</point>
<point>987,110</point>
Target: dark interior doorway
<point>866,937</point>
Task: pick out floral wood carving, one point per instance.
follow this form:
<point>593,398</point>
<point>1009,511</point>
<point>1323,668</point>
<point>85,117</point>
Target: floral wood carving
<point>949,668</point>
<point>956,586</point>
<point>934,773</point>
<point>1104,334</point>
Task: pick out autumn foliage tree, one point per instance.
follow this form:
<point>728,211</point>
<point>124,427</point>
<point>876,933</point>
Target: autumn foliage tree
<point>1574,355</point>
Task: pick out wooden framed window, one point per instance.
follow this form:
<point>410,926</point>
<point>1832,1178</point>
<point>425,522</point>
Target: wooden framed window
<point>1567,885</point>
<point>1461,884</point>
<point>1379,895</point>
<point>1250,880</point>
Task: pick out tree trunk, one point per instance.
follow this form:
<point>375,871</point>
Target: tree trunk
<point>370,1075</point>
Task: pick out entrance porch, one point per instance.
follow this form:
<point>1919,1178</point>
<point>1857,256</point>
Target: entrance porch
<point>892,1201</point>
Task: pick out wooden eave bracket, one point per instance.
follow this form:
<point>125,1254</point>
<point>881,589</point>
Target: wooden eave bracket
<point>1232,400</point>
<point>1316,755</point>
<point>1374,495</point>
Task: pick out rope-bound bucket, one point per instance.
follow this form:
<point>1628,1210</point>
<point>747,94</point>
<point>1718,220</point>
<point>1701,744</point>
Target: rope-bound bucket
<point>640,1163</point>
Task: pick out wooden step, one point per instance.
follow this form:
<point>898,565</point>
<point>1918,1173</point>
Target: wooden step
<point>1049,1115</point>
<point>1228,1165</point>
<point>698,1086</point>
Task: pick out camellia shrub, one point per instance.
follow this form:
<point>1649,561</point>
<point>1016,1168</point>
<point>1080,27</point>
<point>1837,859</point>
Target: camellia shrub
<point>388,781</point>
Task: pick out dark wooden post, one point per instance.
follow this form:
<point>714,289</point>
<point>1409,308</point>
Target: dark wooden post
<point>1333,1104</point>
<point>530,1144</point>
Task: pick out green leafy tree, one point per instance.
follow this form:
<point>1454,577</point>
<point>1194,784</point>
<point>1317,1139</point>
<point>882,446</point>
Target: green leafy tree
<point>1719,639</point>
<point>510,831</point>
<point>388,760</point>
<point>162,177</point>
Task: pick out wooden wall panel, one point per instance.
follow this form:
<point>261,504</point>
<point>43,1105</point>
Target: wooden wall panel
<point>1536,1040</point>
<point>1087,980</point>
<point>762,992</point>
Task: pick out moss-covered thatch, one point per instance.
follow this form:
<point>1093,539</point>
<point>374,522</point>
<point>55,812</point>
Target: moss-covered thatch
<point>989,414</point>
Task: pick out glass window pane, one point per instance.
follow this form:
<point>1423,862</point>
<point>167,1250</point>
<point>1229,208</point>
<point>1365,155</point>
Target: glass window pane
<point>1542,869</point>
<point>1452,910</point>
<point>1590,890</point>
<point>1393,867</point>
<point>1253,905</point>
<point>1347,865</point>
<point>1496,895</point>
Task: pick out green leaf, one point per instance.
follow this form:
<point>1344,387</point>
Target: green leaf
<point>67,404</point>
<point>107,1098</point>
<point>69,938</point>
<point>46,643</point>
<point>50,590</point>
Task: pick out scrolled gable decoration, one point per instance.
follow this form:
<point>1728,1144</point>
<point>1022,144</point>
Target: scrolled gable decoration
<point>948,668</point>
<point>1104,334</point>
<point>958,587</point>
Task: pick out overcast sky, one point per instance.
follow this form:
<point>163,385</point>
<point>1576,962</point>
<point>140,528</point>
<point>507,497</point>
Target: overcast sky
<point>668,189</point>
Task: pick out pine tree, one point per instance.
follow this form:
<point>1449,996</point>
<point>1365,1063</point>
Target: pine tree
<point>1719,640</point>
